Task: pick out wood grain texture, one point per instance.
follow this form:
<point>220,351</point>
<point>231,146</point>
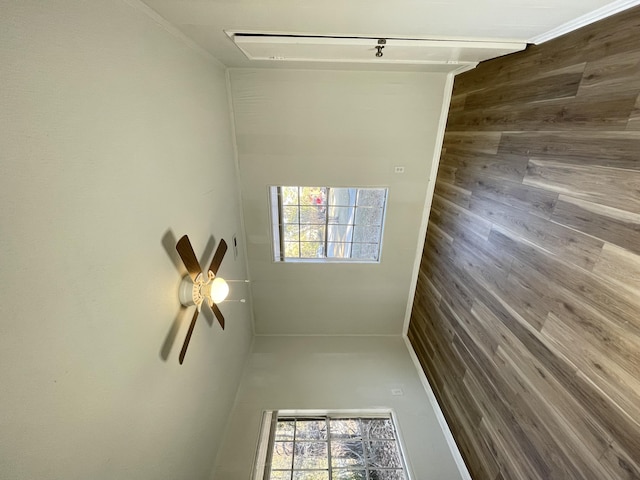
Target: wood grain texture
<point>526,318</point>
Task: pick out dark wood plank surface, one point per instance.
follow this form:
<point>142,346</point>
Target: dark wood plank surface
<point>526,318</point>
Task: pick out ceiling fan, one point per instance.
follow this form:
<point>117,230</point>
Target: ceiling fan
<point>198,287</point>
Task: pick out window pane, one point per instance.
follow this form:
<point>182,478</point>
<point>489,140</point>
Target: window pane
<point>366,233</point>
<point>291,249</point>
<point>289,195</point>
<point>313,196</point>
<point>345,197</point>
<point>317,475</point>
<point>282,455</point>
<point>284,430</point>
<point>372,197</point>
<point>368,216</point>
<point>310,455</point>
<point>386,475</point>
<point>290,215</point>
<point>292,232</point>
<point>314,215</point>
<point>338,250</point>
<point>341,215</point>
<point>383,454</point>
<point>313,429</point>
<point>364,251</point>
<point>347,453</point>
<point>312,233</point>
<point>361,449</point>
<point>311,249</point>
<point>349,475</point>
<point>345,428</point>
<point>280,475</point>
<point>340,233</point>
<point>378,428</point>
<point>335,217</point>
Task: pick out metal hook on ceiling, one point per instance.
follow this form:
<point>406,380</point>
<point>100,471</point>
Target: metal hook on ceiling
<point>380,46</point>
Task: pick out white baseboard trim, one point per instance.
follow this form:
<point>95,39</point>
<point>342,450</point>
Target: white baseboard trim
<point>584,20</point>
<point>455,452</point>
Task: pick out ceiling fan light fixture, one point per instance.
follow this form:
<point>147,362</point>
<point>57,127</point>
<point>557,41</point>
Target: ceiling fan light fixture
<point>219,289</point>
<point>196,286</point>
<point>214,289</point>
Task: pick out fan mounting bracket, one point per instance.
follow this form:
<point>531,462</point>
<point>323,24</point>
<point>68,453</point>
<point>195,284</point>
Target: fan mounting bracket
<point>193,292</point>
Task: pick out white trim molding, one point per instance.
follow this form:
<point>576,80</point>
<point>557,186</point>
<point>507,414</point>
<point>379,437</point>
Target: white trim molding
<point>444,426</point>
<point>591,17</point>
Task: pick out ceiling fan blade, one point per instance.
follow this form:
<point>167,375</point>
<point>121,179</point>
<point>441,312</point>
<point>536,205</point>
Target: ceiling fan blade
<point>218,315</point>
<point>188,256</point>
<point>186,340</point>
<point>219,255</point>
<point>207,312</point>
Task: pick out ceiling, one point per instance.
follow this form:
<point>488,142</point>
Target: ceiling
<point>205,21</point>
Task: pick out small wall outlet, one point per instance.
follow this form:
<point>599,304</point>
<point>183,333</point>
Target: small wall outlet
<point>397,392</point>
<point>399,169</point>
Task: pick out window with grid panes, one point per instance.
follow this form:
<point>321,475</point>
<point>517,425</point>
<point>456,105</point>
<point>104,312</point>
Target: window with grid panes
<point>334,448</point>
<point>327,223</point>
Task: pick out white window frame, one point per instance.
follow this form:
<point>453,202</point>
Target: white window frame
<point>266,438</point>
<point>275,216</point>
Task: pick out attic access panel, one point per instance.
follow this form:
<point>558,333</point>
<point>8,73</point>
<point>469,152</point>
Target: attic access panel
<point>456,53</point>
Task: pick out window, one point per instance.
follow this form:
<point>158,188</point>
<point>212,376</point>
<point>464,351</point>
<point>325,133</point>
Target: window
<point>327,223</point>
<point>330,447</point>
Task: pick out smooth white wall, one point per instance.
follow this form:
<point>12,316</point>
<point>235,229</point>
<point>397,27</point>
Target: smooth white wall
<point>115,135</point>
<point>335,128</point>
<point>334,373</point>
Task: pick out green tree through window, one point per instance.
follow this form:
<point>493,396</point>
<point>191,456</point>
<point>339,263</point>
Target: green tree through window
<point>327,223</point>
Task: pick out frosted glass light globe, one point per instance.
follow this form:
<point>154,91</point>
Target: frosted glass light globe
<point>219,290</point>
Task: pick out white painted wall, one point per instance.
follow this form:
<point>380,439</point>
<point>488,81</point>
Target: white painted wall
<point>335,128</point>
<point>113,132</point>
<point>334,373</point>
